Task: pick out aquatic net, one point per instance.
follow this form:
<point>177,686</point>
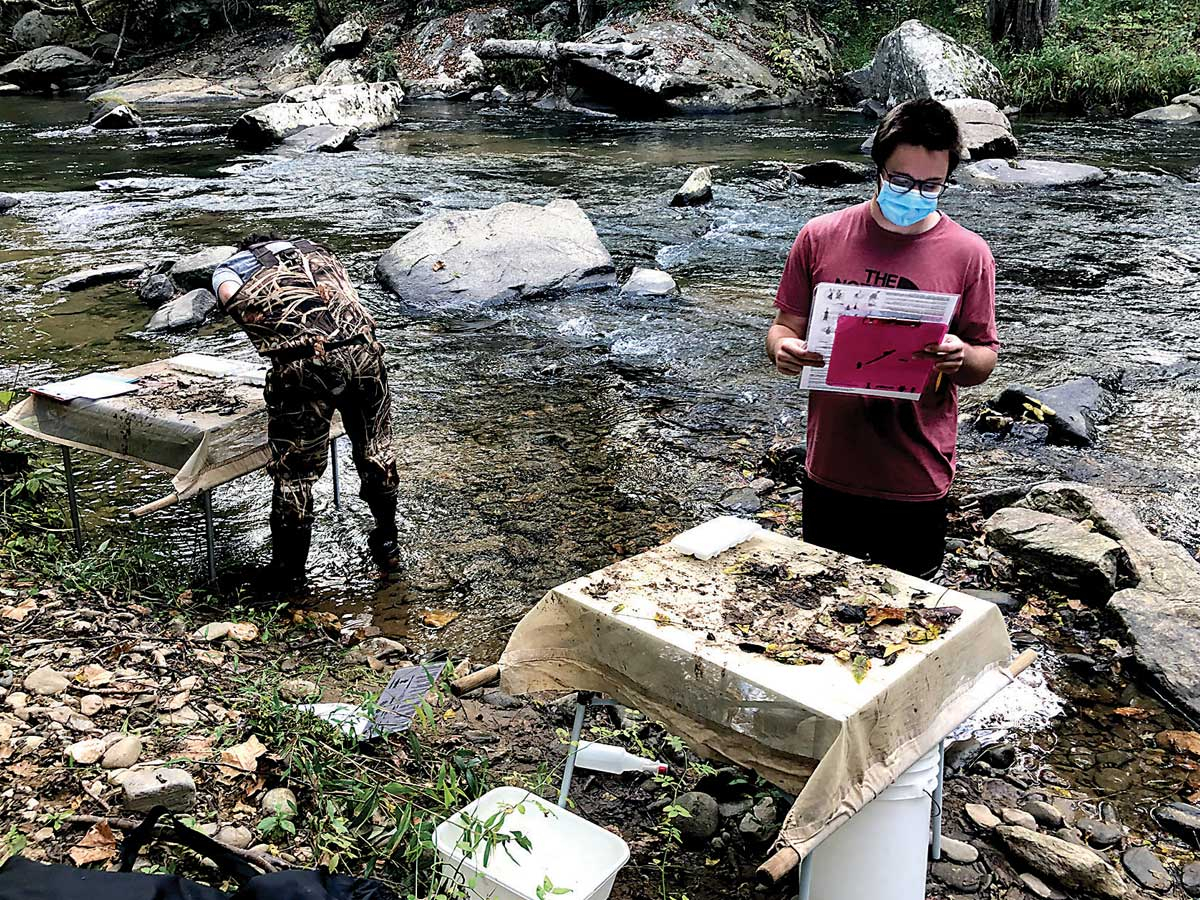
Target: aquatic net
<point>200,419</point>
<point>827,676</point>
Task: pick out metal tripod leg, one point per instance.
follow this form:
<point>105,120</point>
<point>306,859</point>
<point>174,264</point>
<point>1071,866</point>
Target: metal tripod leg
<point>936,829</point>
<point>72,500</point>
<point>337,481</point>
<point>210,535</point>
<point>805,877</point>
<point>581,704</point>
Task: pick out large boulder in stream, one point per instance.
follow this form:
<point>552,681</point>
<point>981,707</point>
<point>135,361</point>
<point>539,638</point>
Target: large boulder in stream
<point>514,251</point>
<point>186,311</point>
<point>1072,410</point>
<point>986,131</point>
<point>1161,610</point>
<point>1028,173</point>
<point>688,70</point>
<point>116,118</point>
<point>87,278</point>
<point>915,61</point>
<point>196,270</point>
<point>345,41</point>
<point>49,68</point>
<point>324,139</point>
<point>36,29</point>
<point>8,202</point>
<point>1182,110</point>
<point>366,107</point>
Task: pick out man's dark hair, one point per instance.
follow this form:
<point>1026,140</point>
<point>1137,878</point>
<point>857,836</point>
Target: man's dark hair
<point>255,238</point>
<point>922,123</point>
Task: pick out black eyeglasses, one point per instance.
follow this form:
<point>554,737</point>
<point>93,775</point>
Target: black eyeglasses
<point>930,190</point>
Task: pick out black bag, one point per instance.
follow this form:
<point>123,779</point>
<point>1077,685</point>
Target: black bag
<point>23,879</point>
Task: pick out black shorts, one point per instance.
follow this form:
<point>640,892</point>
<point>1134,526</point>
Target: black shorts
<point>907,535</point>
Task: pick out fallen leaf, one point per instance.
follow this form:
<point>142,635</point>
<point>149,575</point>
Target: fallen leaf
<point>917,635</point>
<point>617,608</point>
<point>438,618</point>
<point>241,759</point>
<point>94,675</point>
<point>98,845</point>
<point>20,611</point>
<point>878,615</point>
<point>860,667</point>
<point>215,631</point>
<point>438,266</point>
<point>179,701</point>
<point>893,649</point>
<point>1131,712</point>
<point>210,657</point>
<point>197,748</point>
<point>662,618</point>
<point>1180,742</point>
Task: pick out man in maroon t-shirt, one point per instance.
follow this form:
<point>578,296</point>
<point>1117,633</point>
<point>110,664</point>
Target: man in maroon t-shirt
<point>878,470</point>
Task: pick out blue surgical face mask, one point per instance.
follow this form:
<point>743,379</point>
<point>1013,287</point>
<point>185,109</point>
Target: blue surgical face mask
<point>904,209</point>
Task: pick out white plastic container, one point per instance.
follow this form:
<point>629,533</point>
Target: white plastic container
<point>715,536</point>
<point>614,760</point>
<point>572,852</point>
<point>883,852</point>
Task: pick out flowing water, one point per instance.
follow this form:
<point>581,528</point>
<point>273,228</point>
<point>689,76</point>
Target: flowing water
<point>542,440</point>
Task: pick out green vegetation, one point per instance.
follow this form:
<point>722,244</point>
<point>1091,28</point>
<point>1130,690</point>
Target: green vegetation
<point>1122,54</point>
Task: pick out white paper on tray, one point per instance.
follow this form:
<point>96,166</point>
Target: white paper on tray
<point>833,301</point>
<point>94,386</point>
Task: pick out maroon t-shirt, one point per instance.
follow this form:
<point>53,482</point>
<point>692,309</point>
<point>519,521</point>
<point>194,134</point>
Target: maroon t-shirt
<point>873,446</point>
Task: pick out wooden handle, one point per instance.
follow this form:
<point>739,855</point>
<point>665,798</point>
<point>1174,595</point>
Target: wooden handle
<point>468,683</point>
<point>163,503</point>
<point>1021,663</point>
<point>782,862</point>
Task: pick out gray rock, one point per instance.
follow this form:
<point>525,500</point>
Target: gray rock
<point>299,690</point>
<point>986,131</point>
<point>1190,877</point>
<point>367,107</point>
<point>78,281</point>
<point>831,173</point>
<point>1100,834</point>
<point>236,836</point>
<point>1018,817</point>
<point>1182,819</point>
<point>117,118</point>
<point>196,270</point>
<point>1039,888</point>
<point>157,290</point>
<point>1028,173</point>
<point>1113,781</point>
<point>147,788</point>
<point>1044,814</point>
<point>49,67</point>
<point>36,29</point>
<point>982,817</point>
<point>514,251</point>
<point>1071,836</point>
<point>323,138</point>
<point>499,700</point>
<point>346,40</point>
<point>1073,410</point>
<point>649,283</point>
<point>704,818</point>
<point>760,821</point>
<point>1064,553</point>
<point>915,60</point>
<point>1147,869</point>
<point>689,70</point>
<point>167,90</point>
<point>736,808</point>
<point>960,754</point>
<point>379,648</point>
<point>280,801</point>
<point>123,754</point>
<point>189,310</point>
<point>1191,99</point>
<point>1075,868</point>
<point>86,752</point>
<point>959,878</point>
<point>959,851</point>
<point>999,756</point>
<point>1172,114</point>
<point>45,682</point>
<point>1166,639</point>
<point>8,202</point>
<point>697,190</point>
<point>342,72</point>
<point>1006,601</point>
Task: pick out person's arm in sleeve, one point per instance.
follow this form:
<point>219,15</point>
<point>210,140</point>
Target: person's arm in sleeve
<point>786,345</point>
<point>969,356</point>
<point>226,283</point>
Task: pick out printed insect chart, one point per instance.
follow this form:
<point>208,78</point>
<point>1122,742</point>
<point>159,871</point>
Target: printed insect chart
<point>870,338</point>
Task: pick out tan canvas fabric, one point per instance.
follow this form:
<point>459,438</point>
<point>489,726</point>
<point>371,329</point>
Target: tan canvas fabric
<point>663,632</point>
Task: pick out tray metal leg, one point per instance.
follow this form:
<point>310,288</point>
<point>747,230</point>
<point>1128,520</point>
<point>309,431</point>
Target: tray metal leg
<point>581,704</point>
<point>209,535</point>
<point>337,480</point>
<point>72,500</point>
<point>936,829</point>
<point>805,878</point>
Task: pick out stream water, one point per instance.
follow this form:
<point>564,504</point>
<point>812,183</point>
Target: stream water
<point>543,440</point>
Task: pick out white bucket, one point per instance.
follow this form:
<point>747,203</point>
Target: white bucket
<point>578,857</point>
<point>883,852</point>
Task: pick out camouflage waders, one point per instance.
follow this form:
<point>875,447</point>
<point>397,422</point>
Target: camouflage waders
<point>301,312</point>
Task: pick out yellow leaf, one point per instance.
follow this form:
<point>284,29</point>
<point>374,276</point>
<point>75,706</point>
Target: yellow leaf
<point>617,608</point>
<point>662,618</point>
<point>860,667</point>
<point>711,862</point>
<point>438,618</point>
<point>893,649</point>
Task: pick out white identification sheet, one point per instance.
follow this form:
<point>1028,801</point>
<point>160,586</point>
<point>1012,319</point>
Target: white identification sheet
<point>871,339</point>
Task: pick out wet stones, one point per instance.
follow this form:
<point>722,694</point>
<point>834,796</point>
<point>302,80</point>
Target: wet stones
<point>1075,868</point>
<point>1190,877</point>
<point>959,851</point>
<point>1039,888</point>
<point>697,190</point>
<point>1146,869</point>
<point>49,68</point>
<point>1072,410</point>
<point>1003,174</point>
<point>1181,819</point>
<point>1018,817</point>
<point>760,820</point>
<point>1044,814</point>
<point>123,754</point>
<point>704,815</point>
<point>280,802</point>
<point>117,118</point>
<point>145,789</point>
<point>1100,834</point>
<point>324,139</point>
<point>986,131</point>
<point>187,311</point>
<point>999,756</point>
<point>366,107</point>
<point>828,173</point>
<point>960,878</point>
<point>981,817</point>
<point>8,202</point>
<point>1064,553</point>
<point>196,270</point>
<point>649,283</point>
<point>86,278</point>
<point>1004,600</point>
<point>157,290</point>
